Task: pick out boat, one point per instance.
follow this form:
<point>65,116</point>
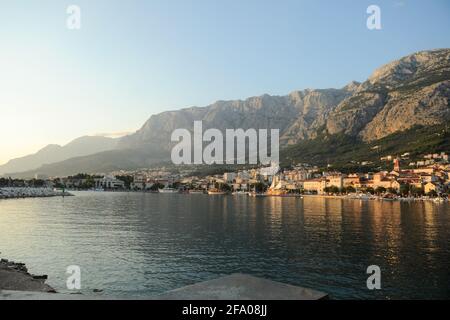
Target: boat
<point>291,195</point>
<point>216,192</point>
<point>168,190</point>
<point>196,192</point>
<point>239,193</point>
<point>277,189</point>
<point>256,194</point>
<point>388,197</point>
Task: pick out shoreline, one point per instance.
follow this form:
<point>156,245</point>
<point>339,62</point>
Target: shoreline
<point>15,276</point>
<point>375,198</point>
<point>363,197</point>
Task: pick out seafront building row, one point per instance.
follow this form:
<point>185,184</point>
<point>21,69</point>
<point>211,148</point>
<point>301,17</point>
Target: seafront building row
<point>425,180</point>
<point>432,179</point>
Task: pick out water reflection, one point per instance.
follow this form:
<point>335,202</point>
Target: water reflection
<point>140,244</point>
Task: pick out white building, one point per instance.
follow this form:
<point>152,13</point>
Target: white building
<point>229,177</point>
<point>109,182</point>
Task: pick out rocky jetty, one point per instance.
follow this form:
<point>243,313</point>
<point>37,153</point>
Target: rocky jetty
<point>15,276</point>
<point>12,193</point>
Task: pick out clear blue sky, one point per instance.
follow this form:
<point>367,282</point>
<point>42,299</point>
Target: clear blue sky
<point>132,59</point>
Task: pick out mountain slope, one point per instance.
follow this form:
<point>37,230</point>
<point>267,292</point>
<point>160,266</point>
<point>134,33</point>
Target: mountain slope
<point>54,153</point>
<point>414,90</point>
<point>296,115</point>
<point>344,151</point>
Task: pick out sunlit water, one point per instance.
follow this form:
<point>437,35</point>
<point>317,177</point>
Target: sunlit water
<point>135,245</point>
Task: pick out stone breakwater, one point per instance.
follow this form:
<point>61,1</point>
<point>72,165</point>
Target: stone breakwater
<point>15,276</point>
<point>13,193</point>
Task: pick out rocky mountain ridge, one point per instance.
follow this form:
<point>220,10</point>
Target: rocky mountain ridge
<point>412,91</point>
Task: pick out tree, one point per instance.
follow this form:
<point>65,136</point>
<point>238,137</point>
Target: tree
<point>405,189</point>
<point>79,176</point>
<point>224,187</point>
<point>334,189</point>
<point>380,190</point>
<point>417,192</point>
<point>392,190</point>
<point>260,187</point>
<point>370,190</point>
<point>156,186</point>
<point>127,180</point>
<point>432,194</point>
<point>37,183</point>
<point>350,189</point>
<point>88,184</point>
<point>174,185</point>
<point>4,182</point>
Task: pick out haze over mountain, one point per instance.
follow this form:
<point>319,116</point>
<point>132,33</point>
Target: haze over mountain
<point>414,90</point>
<point>55,153</point>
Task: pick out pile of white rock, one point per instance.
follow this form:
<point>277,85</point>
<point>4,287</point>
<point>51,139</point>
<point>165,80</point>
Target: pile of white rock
<point>26,192</point>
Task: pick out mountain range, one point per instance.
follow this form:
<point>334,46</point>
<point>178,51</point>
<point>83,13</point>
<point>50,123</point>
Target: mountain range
<point>406,93</point>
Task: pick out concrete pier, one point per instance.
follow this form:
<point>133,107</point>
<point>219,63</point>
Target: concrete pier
<point>232,287</point>
<point>242,287</point>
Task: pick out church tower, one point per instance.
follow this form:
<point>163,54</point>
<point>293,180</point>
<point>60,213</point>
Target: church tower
<point>396,165</point>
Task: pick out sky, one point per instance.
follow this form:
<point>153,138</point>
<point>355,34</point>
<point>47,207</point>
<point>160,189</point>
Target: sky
<point>132,59</point>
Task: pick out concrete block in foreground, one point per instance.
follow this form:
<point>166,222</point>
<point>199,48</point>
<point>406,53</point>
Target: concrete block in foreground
<point>242,287</point>
<point>232,287</point>
<point>35,295</point>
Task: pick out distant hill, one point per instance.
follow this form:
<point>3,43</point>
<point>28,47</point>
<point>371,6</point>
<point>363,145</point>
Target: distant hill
<point>55,153</point>
<point>102,162</point>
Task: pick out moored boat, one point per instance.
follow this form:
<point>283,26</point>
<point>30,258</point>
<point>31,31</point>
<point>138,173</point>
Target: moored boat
<point>439,200</point>
<point>168,190</point>
<point>216,192</point>
<point>196,192</point>
<point>256,194</point>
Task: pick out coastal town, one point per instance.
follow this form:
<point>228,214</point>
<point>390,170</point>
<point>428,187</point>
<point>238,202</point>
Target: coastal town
<point>424,179</point>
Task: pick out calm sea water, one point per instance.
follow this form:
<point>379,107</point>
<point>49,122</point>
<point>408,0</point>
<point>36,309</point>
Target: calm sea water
<point>134,245</point>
